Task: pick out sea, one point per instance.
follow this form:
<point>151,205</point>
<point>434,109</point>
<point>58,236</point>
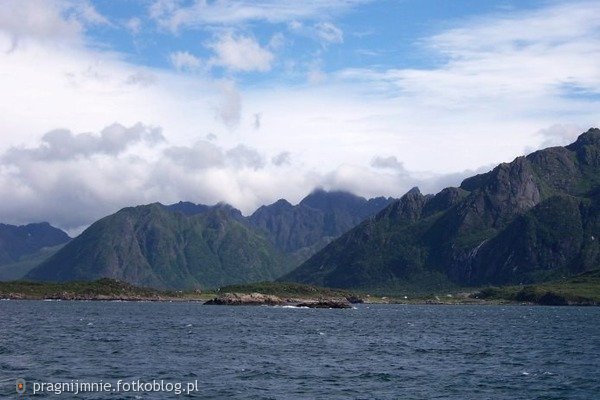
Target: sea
<point>179,350</point>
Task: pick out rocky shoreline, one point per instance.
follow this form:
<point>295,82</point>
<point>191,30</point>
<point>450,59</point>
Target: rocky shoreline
<point>79,297</point>
<point>252,299</point>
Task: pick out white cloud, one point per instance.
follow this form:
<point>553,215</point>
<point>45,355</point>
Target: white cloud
<point>183,60</point>
<point>315,74</point>
<point>502,81</point>
<point>134,25</point>
<point>229,108</point>
<point>560,134</point>
<point>277,41</point>
<point>142,78</point>
<point>521,61</point>
<point>86,12</point>
<point>390,162</point>
<point>244,157</point>
<point>324,32</point>
<point>283,158</point>
<point>257,120</point>
<point>173,16</point>
<point>202,155</point>
<point>329,32</point>
<point>240,53</point>
<point>73,179</point>
<point>62,144</point>
<point>46,20</point>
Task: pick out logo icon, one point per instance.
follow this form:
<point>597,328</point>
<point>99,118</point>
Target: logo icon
<point>20,386</point>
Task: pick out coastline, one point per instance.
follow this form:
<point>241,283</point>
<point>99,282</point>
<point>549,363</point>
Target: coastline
<point>285,303</point>
<point>286,294</point>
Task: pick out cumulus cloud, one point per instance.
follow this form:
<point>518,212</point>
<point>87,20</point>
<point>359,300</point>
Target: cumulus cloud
<point>390,162</point>
<point>372,183</point>
<point>73,179</point>
<point>240,53</point>
<point>204,155</point>
<point>62,144</point>
<point>559,134</point>
<point>244,157</point>
<point>201,155</point>
<point>183,60</point>
<point>47,20</point>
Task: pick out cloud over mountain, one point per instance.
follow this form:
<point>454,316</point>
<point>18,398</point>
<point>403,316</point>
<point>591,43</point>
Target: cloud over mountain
<point>251,101</point>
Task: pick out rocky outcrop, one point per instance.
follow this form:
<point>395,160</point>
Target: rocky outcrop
<point>252,299</point>
<point>333,303</point>
<point>259,299</point>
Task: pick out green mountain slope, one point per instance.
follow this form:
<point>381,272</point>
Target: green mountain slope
<point>18,269</point>
<point>17,242</point>
<point>320,217</point>
<point>535,218</point>
<point>152,246</point>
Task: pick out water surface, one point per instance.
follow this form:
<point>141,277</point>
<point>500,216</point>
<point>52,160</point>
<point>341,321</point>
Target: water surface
<point>371,352</point>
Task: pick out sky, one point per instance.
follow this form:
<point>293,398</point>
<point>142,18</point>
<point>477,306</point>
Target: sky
<point>108,104</point>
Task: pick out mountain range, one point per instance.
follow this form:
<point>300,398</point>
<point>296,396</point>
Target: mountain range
<point>530,220</point>
<point>186,245</point>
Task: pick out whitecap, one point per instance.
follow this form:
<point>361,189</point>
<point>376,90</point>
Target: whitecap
<point>288,307</point>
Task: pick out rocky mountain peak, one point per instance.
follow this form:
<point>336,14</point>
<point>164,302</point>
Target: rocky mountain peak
<point>415,191</point>
<point>591,137</point>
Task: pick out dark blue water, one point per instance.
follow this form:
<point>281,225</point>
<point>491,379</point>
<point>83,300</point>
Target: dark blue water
<point>371,352</point>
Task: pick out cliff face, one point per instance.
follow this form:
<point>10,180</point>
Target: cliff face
<point>529,220</point>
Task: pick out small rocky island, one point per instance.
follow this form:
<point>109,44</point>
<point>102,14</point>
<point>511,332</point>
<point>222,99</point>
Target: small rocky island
<point>251,299</point>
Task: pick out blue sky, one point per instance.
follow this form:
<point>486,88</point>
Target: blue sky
<point>381,34</point>
<point>112,103</point>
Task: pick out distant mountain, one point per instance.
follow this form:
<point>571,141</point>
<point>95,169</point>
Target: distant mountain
<point>154,246</point>
<point>17,242</point>
<point>18,269</point>
<point>188,208</point>
<point>320,217</point>
<point>530,220</point>
<point>186,245</point>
